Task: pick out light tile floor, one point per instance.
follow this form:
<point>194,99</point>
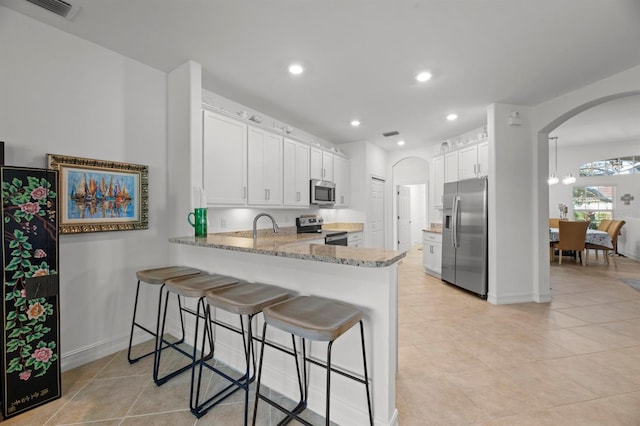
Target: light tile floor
<point>462,361</point>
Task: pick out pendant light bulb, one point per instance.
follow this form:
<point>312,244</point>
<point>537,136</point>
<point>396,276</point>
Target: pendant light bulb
<point>568,179</point>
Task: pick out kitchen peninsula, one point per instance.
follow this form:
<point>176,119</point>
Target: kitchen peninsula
<point>366,278</point>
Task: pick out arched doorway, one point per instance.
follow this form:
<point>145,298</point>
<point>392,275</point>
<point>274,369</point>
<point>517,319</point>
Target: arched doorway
<point>543,188</point>
<point>410,200</point>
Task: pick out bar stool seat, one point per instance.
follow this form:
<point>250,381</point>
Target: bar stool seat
<point>242,299</point>
<point>155,276</point>
<point>193,286</point>
<point>318,319</point>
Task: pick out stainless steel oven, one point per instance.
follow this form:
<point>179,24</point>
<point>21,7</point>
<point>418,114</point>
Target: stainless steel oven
<point>336,239</point>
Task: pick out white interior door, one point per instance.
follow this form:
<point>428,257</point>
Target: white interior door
<point>377,214</point>
<point>404,218</point>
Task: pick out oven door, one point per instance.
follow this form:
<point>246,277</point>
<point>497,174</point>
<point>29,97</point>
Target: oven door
<point>336,239</point>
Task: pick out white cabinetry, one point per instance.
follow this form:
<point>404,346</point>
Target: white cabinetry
<point>483,158</point>
<point>472,161</point>
<point>437,177</point>
<point>342,179</point>
<point>354,239</point>
<point>321,165</point>
<point>432,253</point>
<point>295,174</point>
<point>224,154</point>
<point>265,167</point>
<point>451,166</point>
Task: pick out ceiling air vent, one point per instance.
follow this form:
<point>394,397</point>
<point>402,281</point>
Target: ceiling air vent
<point>388,134</point>
<point>58,7</point>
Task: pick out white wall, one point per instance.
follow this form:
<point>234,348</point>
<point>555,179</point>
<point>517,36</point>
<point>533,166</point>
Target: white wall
<point>61,94</point>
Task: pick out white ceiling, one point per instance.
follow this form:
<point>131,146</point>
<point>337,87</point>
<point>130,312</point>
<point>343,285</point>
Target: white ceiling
<point>361,56</point>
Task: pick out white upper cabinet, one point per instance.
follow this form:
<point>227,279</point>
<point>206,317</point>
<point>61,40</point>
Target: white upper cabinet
<point>472,161</point>
<point>483,159</point>
<point>342,179</point>
<point>265,167</point>
<point>437,179</point>
<point>451,166</point>
<point>468,162</point>
<point>295,174</point>
<point>224,153</point>
<point>321,165</point>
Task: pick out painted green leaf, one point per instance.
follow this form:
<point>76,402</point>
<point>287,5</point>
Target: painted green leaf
<point>16,252</point>
<point>13,244</point>
<point>12,345</point>
<point>23,318</point>
<point>33,181</point>
<point>14,333</point>
<point>30,362</point>
<point>18,274</point>
<point>9,297</point>
<point>11,315</point>
<point>20,301</point>
<point>25,330</point>
<point>26,255</point>
<point>25,353</point>
<point>7,219</point>
<point>41,345</point>
<point>26,263</point>
<point>17,182</point>
<point>52,345</point>
<point>27,246</point>
<point>9,325</point>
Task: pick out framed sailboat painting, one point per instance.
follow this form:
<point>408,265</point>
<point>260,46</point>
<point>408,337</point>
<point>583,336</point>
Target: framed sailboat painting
<point>98,195</point>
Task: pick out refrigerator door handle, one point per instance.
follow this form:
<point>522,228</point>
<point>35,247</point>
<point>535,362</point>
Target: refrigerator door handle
<point>454,234</point>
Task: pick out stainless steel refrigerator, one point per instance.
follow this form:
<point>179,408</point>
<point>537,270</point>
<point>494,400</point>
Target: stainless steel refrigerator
<point>464,235</point>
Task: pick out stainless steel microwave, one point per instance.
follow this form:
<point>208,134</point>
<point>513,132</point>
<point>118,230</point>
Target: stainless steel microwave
<point>322,192</point>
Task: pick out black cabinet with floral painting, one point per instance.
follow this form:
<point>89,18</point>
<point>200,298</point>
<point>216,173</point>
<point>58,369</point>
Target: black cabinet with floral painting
<point>30,367</point>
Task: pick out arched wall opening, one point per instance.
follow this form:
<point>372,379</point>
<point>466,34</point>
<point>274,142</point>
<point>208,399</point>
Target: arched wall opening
<point>412,172</point>
<point>542,135</point>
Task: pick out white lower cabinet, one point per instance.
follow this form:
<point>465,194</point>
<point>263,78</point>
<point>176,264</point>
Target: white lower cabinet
<point>432,253</point>
<point>354,239</point>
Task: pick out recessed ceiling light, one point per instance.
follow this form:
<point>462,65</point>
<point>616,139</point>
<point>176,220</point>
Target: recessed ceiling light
<point>423,76</point>
<point>452,117</point>
<point>355,123</point>
<point>400,143</point>
<point>296,69</point>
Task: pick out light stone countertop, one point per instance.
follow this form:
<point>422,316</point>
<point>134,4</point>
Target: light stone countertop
<point>292,245</point>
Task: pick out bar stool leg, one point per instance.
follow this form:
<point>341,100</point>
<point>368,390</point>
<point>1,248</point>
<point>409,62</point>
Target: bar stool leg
<point>160,341</point>
<point>154,334</point>
<point>198,408</point>
<point>366,375</point>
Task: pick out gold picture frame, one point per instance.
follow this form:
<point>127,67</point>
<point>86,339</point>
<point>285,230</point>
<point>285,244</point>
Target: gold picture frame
<point>98,195</point>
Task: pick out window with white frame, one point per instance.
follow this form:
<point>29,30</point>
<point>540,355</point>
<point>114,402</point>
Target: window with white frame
<point>593,203</point>
<point>614,166</point>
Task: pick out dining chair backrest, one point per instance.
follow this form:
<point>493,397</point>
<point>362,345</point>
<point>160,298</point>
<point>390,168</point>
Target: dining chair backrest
<point>614,230</point>
<point>572,235</point>
<point>604,224</point>
<point>553,223</point>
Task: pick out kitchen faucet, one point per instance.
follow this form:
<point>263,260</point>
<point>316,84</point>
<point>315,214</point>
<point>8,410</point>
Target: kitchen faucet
<point>255,223</point>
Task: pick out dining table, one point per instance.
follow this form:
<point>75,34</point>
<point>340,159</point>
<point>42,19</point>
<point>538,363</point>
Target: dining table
<point>593,236</point>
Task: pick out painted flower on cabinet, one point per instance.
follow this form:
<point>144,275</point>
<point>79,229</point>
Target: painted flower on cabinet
<point>29,216</point>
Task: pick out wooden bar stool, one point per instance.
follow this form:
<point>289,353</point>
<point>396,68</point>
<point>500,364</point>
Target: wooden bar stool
<point>157,276</point>
<point>245,299</point>
<point>195,286</point>
<point>317,319</point>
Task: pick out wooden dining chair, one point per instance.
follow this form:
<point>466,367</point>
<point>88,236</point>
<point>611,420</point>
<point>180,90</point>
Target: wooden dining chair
<point>571,237</point>
<point>603,226</point>
<point>613,230</point>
